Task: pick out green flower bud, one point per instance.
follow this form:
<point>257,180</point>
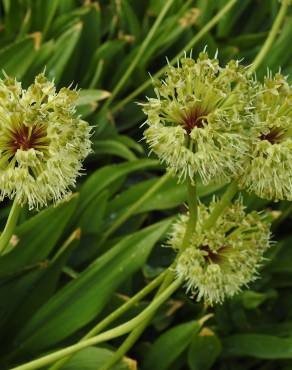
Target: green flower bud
<point>42,141</point>
<point>197,122</point>
<point>219,261</point>
<point>268,171</point>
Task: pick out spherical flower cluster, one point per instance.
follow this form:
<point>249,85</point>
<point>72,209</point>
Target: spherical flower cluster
<point>42,141</point>
<point>198,120</point>
<point>219,261</point>
<point>268,170</point>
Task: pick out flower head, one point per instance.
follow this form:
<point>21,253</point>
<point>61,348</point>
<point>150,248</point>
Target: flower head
<point>42,141</point>
<point>197,120</point>
<point>218,262</point>
<point>268,171</point>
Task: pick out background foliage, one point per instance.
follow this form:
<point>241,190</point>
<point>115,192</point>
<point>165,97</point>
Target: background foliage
<point>75,263</point>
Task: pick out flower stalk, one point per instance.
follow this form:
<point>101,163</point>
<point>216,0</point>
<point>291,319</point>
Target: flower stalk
<point>105,336</point>
<point>136,333</point>
<point>168,279</point>
<point>193,212</point>
<point>115,315</point>
<point>223,203</point>
<point>10,226</point>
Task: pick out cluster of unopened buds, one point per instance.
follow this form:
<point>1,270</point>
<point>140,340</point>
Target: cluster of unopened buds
<point>220,125</point>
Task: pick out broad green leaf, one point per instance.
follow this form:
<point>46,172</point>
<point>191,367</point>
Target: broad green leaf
<point>88,101</point>
<point>24,29</point>
<point>113,147</point>
<point>25,294</point>
<point>91,35</point>
<point>65,21</point>
<point>206,9</point>
<point>93,358</point>
<point>248,40</point>
<point>281,329</point>
<point>49,8</point>
<point>86,110</point>
<point>169,195</point>
<point>96,74</point>
<point>91,220</point>
<point>252,299</point>
<point>107,52</point>
<point>14,12</point>
<point>13,291</point>
<point>168,32</point>
<point>258,346</point>
<point>24,51</point>
<point>37,237</point>
<point>169,346</point>
<point>288,72</point>
<point>90,96</point>
<point>131,116</point>
<point>64,48</point>
<point>227,22</point>
<point>90,291</point>
<point>131,143</point>
<point>281,262</point>
<point>130,21</point>
<point>38,65</point>
<point>43,12</point>
<point>67,5</point>
<point>204,350</point>
<point>106,176</point>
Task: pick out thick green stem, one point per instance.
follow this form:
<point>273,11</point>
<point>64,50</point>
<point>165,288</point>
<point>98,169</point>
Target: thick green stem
<point>134,207</point>
<point>115,314</point>
<point>10,226</point>
<point>140,52</point>
<point>193,212</point>
<point>271,37</point>
<point>224,202</point>
<point>135,334</point>
<point>187,48</point>
<point>126,345</point>
<point>107,335</point>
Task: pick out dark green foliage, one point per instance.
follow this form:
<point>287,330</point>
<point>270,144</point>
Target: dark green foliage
<point>50,295</point>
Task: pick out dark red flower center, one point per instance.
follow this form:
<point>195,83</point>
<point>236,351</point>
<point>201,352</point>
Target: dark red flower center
<point>195,117</point>
<point>274,136</point>
<point>211,256</point>
<point>25,138</point>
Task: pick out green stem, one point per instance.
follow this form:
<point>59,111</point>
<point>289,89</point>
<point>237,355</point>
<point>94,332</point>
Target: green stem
<point>136,333</point>
<point>10,226</point>
<point>140,52</point>
<point>126,345</point>
<point>193,212</point>
<point>225,200</point>
<point>115,314</point>
<point>187,48</point>
<point>134,207</point>
<point>72,237</point>
<point>107,335</point>
<point>271,37</point>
